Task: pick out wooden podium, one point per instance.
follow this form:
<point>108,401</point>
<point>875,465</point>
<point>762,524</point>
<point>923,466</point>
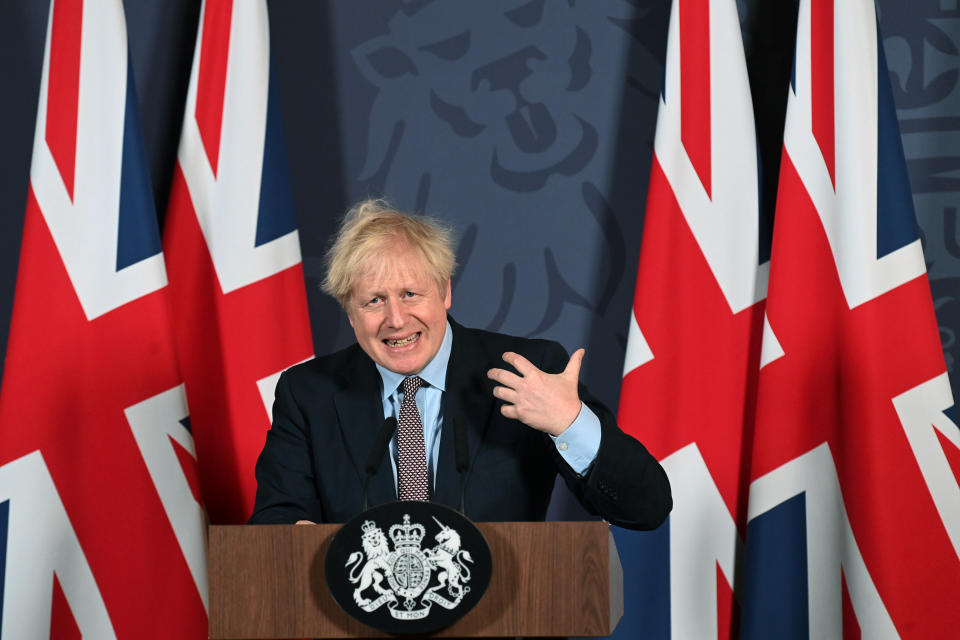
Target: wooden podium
<point>549,579</point>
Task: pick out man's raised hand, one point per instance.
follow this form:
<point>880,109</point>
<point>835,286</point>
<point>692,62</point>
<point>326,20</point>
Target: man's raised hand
<point>547,402</point>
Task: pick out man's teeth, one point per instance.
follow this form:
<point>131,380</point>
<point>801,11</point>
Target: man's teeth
<point>403,341</point>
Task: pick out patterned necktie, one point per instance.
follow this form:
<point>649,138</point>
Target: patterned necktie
<point>412,470</point>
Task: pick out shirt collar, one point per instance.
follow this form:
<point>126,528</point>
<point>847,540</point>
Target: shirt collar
<point>434,374</point>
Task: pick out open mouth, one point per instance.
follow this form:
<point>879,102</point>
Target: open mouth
<point>402,342</point>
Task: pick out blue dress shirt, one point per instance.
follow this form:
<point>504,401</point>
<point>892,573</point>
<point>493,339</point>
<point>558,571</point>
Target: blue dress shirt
<point>577,445</point>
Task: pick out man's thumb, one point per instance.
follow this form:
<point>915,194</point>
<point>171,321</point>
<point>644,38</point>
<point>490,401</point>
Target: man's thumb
<point>573,365</point>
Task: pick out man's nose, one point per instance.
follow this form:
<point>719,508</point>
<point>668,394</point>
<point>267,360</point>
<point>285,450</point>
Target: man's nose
<point>395,313</point>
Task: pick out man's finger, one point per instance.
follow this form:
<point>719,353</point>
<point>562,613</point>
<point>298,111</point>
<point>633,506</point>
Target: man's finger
<point>518,362</point>
<point>504,377</point>
<point>506,394</point>
<point>574,364</point>
<point>509,411</point>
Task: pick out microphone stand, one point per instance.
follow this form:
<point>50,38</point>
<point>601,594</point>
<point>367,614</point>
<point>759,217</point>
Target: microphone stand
<point>376,455</point>
<point>462,456</point>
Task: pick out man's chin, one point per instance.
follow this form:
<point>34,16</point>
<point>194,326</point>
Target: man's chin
<point>403,366</point>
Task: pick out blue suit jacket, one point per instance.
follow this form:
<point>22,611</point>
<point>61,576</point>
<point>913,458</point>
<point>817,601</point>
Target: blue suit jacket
<point>327,413</point>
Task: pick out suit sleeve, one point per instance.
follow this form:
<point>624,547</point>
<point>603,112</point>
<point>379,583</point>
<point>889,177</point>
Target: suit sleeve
<point>285,476</point>
<point>625,484</point>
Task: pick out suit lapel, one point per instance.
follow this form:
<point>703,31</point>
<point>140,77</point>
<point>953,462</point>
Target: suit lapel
<point>360,413</point>
<point>469,393</point>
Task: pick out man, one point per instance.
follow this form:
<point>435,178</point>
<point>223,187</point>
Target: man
<point>528,418</point>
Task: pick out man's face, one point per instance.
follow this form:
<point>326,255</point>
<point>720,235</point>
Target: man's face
<point>398,312</point>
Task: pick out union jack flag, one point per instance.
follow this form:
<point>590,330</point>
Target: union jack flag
<point>854,505</point>
<point>694,341</point>
<point>100,532</point>
<point>233,253</point>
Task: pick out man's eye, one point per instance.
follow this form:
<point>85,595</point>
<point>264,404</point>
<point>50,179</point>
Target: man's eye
<point>374,300</point>
<point>409,294</point>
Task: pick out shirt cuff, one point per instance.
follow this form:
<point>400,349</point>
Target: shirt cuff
<point>579,443</point>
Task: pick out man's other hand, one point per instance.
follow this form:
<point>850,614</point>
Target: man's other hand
<point>547,402</point>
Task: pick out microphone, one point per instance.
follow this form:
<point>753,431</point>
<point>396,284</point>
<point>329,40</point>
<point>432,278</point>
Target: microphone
<point>376,454</point>
<point>461,453</point>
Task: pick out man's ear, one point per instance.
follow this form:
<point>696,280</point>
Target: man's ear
<point>447,299</point>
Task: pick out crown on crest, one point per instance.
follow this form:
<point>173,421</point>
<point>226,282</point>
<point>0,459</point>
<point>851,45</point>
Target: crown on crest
<point>406,534</point>
<point>369,526</point>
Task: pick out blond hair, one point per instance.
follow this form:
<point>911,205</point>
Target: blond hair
<point>372,226</point>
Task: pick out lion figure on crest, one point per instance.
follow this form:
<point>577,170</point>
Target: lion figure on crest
<point>372,572</point>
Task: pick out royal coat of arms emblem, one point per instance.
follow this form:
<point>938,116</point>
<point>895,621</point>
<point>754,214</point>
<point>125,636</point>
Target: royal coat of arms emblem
<point>409,580</point>
<point>409,568</point>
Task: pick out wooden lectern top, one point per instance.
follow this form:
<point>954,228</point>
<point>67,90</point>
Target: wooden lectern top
<point>549,579</point>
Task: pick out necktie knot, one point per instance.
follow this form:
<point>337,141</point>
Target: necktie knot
<point>410,386</point>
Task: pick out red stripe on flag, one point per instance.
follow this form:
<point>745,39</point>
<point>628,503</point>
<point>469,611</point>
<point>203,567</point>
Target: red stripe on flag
<point>212,79</point>
<point>63,626</point>
<point>695,86</point>
<point>851,627</point>
<point>63,87</point>
<point>821,71</point>
<point>728,609</point>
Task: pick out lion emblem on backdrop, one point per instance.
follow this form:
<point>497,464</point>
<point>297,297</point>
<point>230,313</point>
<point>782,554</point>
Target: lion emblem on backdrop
<point>505,117</point>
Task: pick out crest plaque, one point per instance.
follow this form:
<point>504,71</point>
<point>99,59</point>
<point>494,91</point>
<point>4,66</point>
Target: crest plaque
<point>408,567</point>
